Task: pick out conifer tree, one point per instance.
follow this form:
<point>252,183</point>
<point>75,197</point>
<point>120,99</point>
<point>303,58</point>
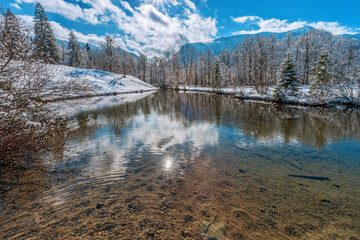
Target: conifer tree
<point>74,48</point>
<point>88,55</point>
<point>289,82</point>
<point>14,45</point>
<point>216,83</point>
<point>322,75</point>
<point>45,45</point>
<point>11,36</point>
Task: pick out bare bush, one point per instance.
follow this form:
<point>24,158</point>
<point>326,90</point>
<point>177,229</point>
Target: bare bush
<point>26,126</point>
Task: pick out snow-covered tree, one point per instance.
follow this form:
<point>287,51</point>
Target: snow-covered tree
<point>14,39</point>
<point>87,55</point>
<point>10,34</point>
<point>74,48</point>
<point>14,45</point>
<point>322,75</point>
<point>142,62</point>
<point>216,82</point>
<point>109,53</point>
<point>45,45</point>
<point>289,81</point>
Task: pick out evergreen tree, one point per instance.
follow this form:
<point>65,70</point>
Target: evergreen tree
<point>322,75</point>
<point>216,83</point>
<point>109,52</point>
<point>45,45</point>
<point>14,45</point>
<point>11,36</point>
<point>74,51</point>
<point>289,82</point>
<point>88,55</point>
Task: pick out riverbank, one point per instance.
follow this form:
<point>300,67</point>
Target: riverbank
<point>91,83</point>
<point>303,98</point>
<point>46,83</point>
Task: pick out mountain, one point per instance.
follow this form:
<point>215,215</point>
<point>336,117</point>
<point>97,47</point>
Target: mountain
<point>232,42</point>
<point>355,36</point>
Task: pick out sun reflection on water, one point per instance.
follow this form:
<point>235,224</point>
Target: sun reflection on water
<point>169,163</point>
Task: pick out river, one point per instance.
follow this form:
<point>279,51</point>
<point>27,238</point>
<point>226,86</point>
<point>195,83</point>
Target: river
<point>174,165</point>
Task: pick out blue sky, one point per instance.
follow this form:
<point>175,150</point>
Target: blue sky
<point>153,26</point>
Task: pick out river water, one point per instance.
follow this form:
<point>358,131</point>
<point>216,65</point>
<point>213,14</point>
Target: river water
<point>173,165</point>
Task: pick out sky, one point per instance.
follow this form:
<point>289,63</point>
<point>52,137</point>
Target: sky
<point>153,26</point>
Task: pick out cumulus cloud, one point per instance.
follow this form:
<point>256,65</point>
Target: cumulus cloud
<point>158,32</point>
<point>278,25</point>
<point>146,29</point>
<point>70,11</point>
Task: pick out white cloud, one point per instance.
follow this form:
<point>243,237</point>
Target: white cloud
<point>245,18</point>
<point>147,30</point>
<point>95,14</point>
<point>127,6</point>
<point>157,31</point>
<point>175,3</point>
<point>62,33</point>
<point>28,20</point>
<point>70,11</point>
<point>15,5</point>
<point>190,4</point>
<point>277,25</point>
<point>333,27</point>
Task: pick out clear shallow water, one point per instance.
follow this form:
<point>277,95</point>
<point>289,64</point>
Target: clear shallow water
<point>196,166</point>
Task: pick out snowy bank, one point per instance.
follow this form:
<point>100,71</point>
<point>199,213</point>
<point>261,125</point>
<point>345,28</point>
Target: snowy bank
<point>303,97</point>
<point>91,82</point>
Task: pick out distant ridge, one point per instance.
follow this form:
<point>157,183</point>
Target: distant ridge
<point>233,41</point>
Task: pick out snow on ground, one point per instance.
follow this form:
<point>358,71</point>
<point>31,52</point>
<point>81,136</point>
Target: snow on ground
<point>97,82</point>
<point>302,98</point>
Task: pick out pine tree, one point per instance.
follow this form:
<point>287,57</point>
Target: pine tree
<point>289,82</point>
<point>11,37</point>
<point>322,75</point>
<point>216,83</point>
<point>88,55</point>
<point>14,45</point>
<point>74,48</point>
<point>45,45</point>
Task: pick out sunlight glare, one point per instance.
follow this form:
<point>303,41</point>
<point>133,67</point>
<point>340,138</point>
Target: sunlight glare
<point>168,164</point>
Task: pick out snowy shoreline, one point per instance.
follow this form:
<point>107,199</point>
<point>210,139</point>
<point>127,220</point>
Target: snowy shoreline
<point>65,83</point>
<point>249,93</point>
<point>96,82</point>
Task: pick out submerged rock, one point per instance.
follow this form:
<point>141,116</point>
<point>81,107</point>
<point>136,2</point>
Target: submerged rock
<point>212,228</point>
<point>99,205</point>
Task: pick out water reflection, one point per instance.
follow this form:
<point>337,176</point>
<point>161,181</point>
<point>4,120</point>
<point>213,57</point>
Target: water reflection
<point>175,165</point>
